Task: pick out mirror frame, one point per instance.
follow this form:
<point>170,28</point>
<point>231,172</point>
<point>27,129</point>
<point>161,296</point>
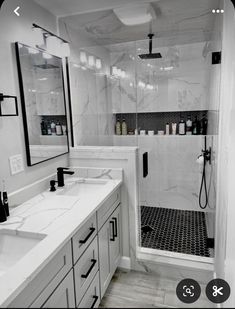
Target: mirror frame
<point>23,104</point>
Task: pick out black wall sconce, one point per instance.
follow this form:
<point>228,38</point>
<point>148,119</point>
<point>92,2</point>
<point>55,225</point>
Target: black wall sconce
<point>9,110</point>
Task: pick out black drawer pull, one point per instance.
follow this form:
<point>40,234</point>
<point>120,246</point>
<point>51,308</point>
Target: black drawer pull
<point>113,233</point>
<point>95,300</point>
<point>90,269</point>
<point>92,230</point>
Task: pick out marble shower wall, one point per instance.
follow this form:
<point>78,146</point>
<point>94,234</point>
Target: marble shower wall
<point>92,119</point>
<point>174,176</point>
<point>90,92</point>
<point>178,82</point>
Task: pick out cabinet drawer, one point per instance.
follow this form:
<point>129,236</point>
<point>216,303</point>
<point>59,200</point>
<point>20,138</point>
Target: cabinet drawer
<point>92,297</point>
<point>107,208</point>
<point>40,288</point>
<point>83,237</point>
<point>85,270</point>
<point>63,296</point>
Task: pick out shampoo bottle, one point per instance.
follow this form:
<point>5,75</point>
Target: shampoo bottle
<point>58,128</point>
<point>182,127</point>
<point>118,127</point>
<point>124,127</point>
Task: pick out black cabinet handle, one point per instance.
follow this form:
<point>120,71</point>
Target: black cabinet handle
<point>90,269</point>
<point>95,300</point>
<point>92,230</point>
<point>113,233</point>
<point>145,165</point>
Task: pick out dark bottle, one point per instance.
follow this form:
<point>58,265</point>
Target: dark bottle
<point>3,216</point>
<point>5,203</point>
<point>196,126</point>
<point>204,125</point>
<point>43,128</point>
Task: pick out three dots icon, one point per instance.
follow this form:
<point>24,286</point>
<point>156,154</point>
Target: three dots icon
<point>218,11</point>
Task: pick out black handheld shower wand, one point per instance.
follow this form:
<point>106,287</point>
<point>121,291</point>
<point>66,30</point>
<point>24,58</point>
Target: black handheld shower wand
<point>206,153</point>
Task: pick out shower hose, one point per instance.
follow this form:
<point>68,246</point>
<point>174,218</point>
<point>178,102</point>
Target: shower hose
<point>203,186</point>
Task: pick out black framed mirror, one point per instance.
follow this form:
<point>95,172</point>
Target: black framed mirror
<point>42,93</point>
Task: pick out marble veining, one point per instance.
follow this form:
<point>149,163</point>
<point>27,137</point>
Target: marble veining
<point>58,217</point>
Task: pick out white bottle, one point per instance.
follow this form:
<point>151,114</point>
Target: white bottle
<point>124,127</point>
<point>182,126</point>
<point>167,129</point>
<point>53,128</point>
<point>118,128</point>
<point>174,128</point>
<point>58,128</point>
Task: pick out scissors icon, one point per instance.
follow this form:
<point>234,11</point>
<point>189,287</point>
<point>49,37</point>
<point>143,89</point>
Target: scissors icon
<point>217,291</point>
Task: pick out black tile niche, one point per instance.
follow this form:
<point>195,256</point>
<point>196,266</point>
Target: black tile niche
<point>157,121</point>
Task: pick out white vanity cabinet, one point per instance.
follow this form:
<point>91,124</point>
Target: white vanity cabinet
<point>109,249</point>
<point>63,296</point>
<point>78,275</point>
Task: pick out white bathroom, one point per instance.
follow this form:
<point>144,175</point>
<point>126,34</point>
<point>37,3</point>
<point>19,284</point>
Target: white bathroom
<point>117,153</point>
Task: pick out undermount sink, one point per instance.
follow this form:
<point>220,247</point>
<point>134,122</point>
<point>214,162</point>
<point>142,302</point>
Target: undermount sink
<point>14,245</point>
<point>77,187</point>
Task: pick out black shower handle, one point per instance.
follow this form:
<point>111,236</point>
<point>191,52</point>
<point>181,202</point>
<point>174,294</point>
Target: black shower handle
<point>145,165</point>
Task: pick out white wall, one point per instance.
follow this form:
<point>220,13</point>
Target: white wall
<point>12,142</point>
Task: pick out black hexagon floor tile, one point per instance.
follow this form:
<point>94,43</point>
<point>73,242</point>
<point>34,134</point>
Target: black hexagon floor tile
<point>181,231</point>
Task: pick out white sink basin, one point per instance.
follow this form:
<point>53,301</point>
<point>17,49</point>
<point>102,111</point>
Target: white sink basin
<point>81,186</point>
<point>15,245</point>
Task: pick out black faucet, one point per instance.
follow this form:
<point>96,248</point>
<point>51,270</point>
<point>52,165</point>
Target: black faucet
<point>60,175</point>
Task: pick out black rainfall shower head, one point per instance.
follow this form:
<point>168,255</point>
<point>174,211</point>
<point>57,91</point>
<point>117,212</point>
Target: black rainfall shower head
<point>150,55</point>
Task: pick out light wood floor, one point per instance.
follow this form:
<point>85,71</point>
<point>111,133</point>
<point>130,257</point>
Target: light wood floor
<point>130,289</point>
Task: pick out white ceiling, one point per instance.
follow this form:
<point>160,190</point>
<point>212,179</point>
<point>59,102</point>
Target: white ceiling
<point>71,7</point>
<point>178,21</point>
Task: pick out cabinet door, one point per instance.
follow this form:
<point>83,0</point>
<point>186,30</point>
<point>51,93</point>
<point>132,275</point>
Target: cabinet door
<point>63,296</point>
<point>104,257</point>
<point>115,239</point>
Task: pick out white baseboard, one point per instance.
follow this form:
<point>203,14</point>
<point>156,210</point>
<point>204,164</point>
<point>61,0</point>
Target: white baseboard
<point>125,262</point>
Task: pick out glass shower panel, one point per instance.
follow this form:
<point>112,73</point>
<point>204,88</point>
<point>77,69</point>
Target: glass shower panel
<point>175,88</point>
<point>123,89</point>
<point>93,121</point>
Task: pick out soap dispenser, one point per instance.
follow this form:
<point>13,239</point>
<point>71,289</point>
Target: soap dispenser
<point>3,216</point>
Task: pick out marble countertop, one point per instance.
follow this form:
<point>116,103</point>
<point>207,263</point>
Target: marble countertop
<point>56,216</point>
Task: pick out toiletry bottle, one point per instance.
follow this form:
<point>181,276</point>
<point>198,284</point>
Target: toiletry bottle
<point>124,127</point>
<point>58,128</point>
<point>53,129</point>
<point>5,200</point>
<point>3,216</point>
<point>167,129</point>
<point>64,129</point>
<point>43,127</point>
<point>48,129</point>
<point>118,127</point>
<point>189,125</point>
<point>174,128</point>
<point>195,126</point>
<point>182,127</point>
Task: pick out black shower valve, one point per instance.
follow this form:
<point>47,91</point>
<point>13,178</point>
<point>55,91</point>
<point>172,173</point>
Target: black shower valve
<point>207,154</point>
